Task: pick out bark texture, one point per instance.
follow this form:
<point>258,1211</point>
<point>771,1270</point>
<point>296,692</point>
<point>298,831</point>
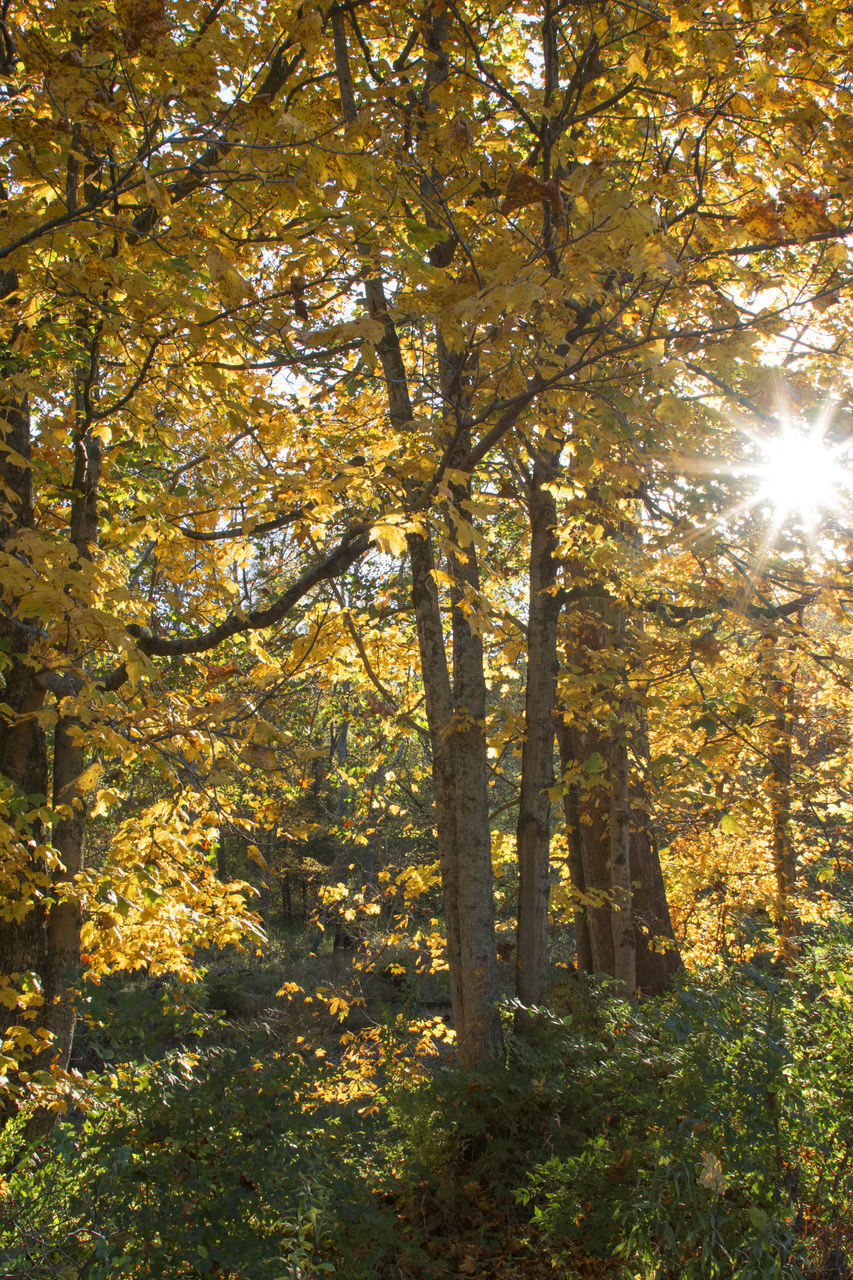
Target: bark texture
<point>455,708</point>
<point>537,759</point>
<point>623,926</point>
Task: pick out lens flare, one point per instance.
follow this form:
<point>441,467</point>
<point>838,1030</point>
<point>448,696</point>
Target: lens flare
<point>800,475</point>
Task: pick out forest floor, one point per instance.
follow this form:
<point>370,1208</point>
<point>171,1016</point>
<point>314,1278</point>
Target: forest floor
<point>292,1121</point>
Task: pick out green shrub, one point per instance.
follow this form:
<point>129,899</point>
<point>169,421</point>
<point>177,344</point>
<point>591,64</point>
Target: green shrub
<point>205,1165</point>
<point>700,1113</point>
<point>704,1136</point>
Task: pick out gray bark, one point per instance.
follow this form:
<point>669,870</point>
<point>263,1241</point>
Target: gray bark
<point>455,717</point>
<point>537,759</point>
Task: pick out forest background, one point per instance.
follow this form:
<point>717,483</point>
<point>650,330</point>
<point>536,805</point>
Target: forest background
<point>425,574</point>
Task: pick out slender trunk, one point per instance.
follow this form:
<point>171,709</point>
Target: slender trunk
<point>577,874</point>
<point>619,821</point>
<point>479,1037</point>
<point>65,916</point>
<point>339,753</point>
<point>779,686</point>
<point>439,709</point>
<point>463,849</point>
<point>537,759</point>
<point>455,712</point>
<point>533,834</point>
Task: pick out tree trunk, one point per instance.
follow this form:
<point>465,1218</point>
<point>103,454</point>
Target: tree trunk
<point>619,822</point>
<point>657,956</point>
<point>605,807</point>
<point>338,757</point>
<point>588,832</point>
<point>779,687</point>
<point>456,721</point>
<point>455,713</point>
<point>577,873</point>
<point>479,1037</point>
<point>65,916</point>
<point>537,759</point>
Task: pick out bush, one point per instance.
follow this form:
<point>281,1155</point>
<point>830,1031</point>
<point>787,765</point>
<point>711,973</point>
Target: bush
<point>716,1124</point>
<point>208,1164</point>
<point>704,1136</point>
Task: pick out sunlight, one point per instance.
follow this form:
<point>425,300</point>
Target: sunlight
<point>800,475</point>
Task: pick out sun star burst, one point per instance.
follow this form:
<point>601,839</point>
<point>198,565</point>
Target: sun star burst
<point>800,475</point>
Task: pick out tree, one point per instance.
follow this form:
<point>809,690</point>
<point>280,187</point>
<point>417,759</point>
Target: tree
<point>127,170</point>
<point>289,278</point>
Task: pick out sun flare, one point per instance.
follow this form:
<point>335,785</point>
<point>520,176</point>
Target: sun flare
<point>800,475</point>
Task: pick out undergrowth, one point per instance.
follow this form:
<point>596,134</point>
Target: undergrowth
<point>704,1136</point>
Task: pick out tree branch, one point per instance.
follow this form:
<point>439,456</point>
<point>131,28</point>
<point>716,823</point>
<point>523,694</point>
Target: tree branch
<point>351,547</point>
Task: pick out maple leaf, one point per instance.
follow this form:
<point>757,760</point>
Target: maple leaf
<point>762,220</point>
<point>524,188</point>
<point>803,214</point>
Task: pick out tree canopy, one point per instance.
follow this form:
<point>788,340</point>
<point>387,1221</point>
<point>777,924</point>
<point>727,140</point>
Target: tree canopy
<point>424,365</point>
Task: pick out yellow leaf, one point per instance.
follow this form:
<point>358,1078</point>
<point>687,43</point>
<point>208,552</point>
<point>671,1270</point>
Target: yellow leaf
<point>680,21</point>
<point>254,854</point>
<point>289,989</point>
<point>636,67</point>
<point>89,777</point>
<point>390,539</point>
<point>157,194</point>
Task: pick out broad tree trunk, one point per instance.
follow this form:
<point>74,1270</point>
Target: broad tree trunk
<point>613,860</point>
<point>586,809</point>
<point>657,956</point>
<point>537,758</point>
